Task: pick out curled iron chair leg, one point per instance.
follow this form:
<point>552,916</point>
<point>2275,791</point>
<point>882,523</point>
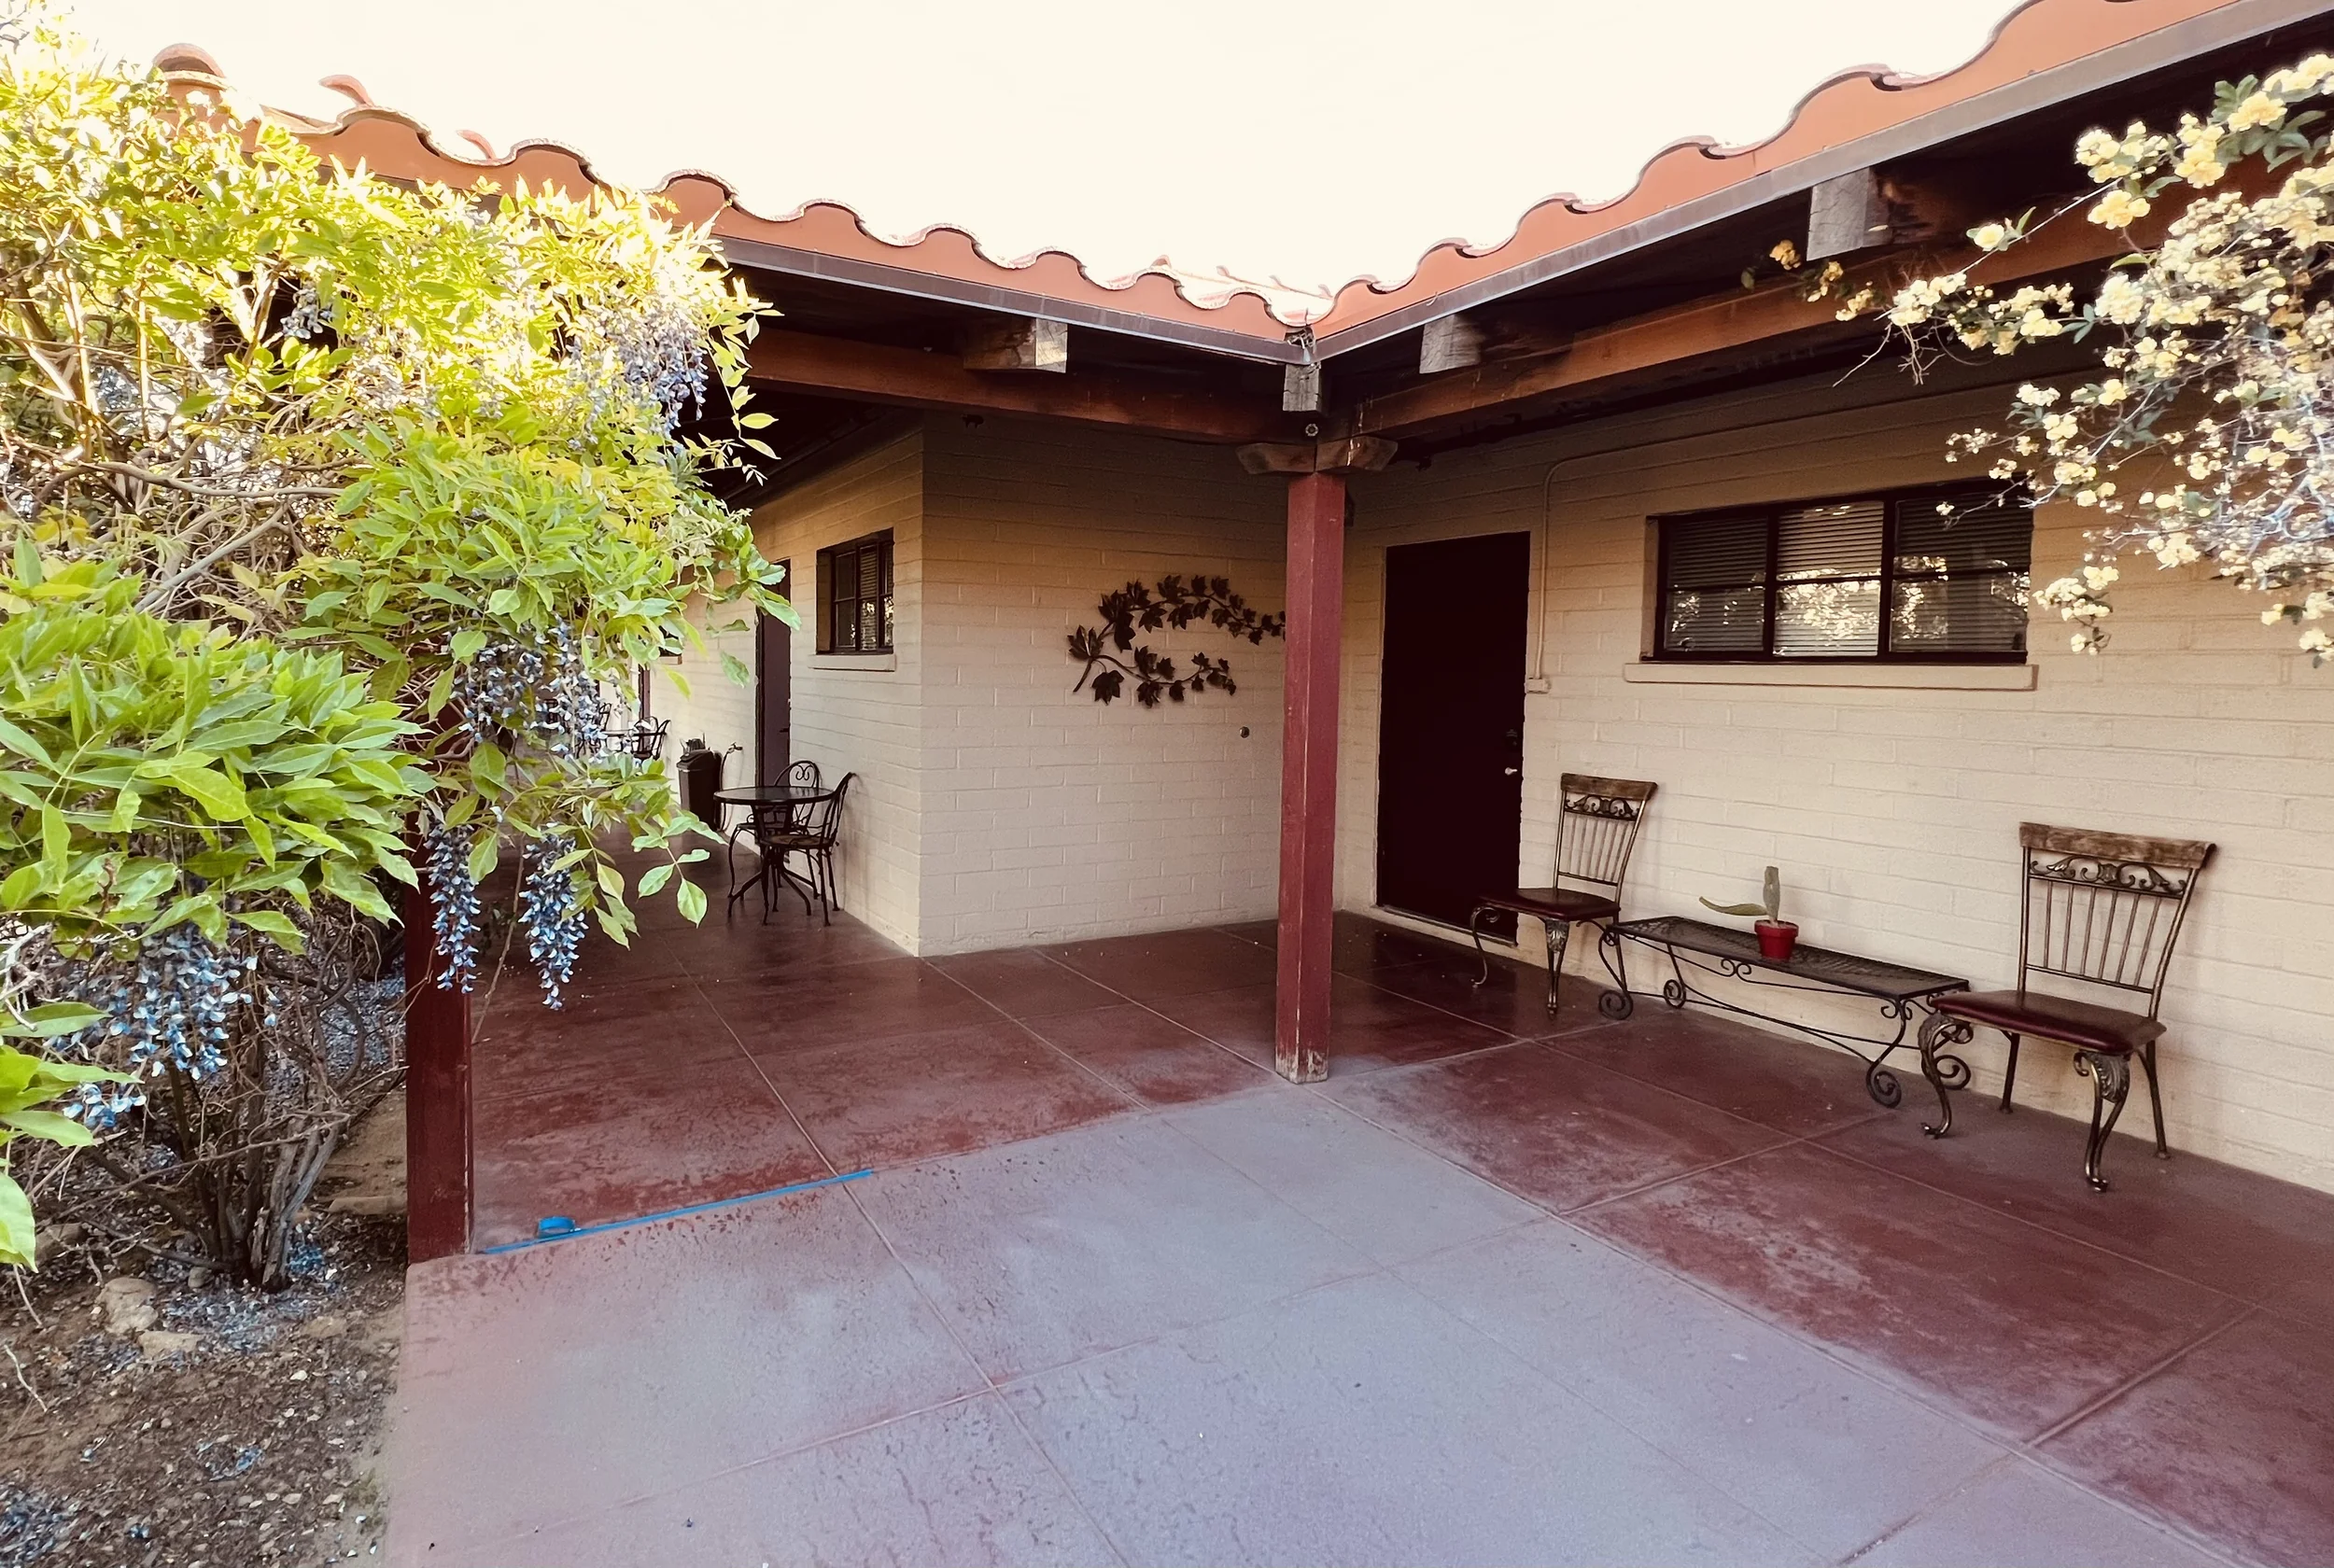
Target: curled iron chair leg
<point>730,907</point>
<point>1618,1002</point>
<point>1482,954</point>
<point>1944,1069</point>
<point>2155,1098</point>
<point>1559,936</point>
<point>2009,1073</point>
<point>2111,1082</point>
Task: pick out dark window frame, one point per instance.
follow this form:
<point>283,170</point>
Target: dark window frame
<point>834,619</point>
<point>1670,525</point>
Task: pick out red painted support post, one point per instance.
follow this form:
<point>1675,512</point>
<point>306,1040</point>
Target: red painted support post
<point>437,1097</point>
<point>1317,619</point>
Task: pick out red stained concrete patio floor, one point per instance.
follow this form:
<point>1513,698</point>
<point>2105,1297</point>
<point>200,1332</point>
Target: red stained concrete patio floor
<point>1505,1289</point>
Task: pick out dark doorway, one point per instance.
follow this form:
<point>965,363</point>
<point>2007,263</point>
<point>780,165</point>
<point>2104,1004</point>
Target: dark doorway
<point>773,694</point>
<point>1451,728</point>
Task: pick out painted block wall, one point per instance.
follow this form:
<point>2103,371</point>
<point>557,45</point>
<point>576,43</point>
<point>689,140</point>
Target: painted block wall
<point>851,713</point>
<point>1893,812</point>
<point>1048,815</point>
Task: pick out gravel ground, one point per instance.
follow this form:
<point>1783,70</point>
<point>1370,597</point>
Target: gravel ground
<point>150,1415</point>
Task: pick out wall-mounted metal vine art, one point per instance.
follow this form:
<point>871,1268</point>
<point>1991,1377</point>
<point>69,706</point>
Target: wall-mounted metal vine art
<point>1111,656</point>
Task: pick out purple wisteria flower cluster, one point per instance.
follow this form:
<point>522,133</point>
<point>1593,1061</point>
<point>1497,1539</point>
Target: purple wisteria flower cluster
<point>168,1005</point>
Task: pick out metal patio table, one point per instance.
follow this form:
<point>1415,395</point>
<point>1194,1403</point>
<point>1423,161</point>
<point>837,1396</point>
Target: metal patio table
<point>763,803</point>
<point>1733,954</point>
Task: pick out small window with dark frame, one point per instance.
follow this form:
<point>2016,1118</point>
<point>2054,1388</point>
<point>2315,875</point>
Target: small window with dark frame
<point>855,597</point>
<point>1938,574</point>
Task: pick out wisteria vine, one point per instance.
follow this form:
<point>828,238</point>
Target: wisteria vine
<point>170,1003</point>
<point>554,918</point>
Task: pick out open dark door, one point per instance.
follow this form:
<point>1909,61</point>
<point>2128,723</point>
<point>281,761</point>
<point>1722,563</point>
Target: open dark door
<point>1450,730</point>
<point>773,694</point>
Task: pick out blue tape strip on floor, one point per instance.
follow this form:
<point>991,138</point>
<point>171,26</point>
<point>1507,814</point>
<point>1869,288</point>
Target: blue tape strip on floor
<point>573,1230</point>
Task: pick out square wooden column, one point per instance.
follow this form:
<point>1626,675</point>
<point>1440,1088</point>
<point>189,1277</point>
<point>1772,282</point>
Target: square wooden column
<point>438,1184</point>
<point>1317,622</point>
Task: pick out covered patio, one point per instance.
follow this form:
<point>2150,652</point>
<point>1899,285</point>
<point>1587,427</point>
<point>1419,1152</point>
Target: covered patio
<point>1501,1288</point>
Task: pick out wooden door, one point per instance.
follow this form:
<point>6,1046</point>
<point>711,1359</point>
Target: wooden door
<point>1451,728</point>
<point>773,696</point>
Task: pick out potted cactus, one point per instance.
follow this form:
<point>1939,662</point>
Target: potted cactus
<point>1776,935</point>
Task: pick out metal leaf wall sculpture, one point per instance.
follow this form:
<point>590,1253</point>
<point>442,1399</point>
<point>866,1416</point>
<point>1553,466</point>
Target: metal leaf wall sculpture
<point>1112,656</point>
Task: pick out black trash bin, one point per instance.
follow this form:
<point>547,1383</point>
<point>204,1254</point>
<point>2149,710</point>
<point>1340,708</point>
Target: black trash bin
<point>700,781</point>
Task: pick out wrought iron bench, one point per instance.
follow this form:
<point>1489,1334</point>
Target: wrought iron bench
<point>1734,955</point>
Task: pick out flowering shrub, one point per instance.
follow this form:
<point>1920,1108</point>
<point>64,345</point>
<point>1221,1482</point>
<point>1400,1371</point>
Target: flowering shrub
<point>333,506</point>
<point>2211,436</point>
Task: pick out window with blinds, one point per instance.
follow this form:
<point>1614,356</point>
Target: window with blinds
<point>855,597</point>
<point>1936,573</point>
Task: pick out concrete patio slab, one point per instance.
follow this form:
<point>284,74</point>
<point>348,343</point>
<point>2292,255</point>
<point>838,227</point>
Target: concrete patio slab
<point>1390,1198</point>
<point>961,1484</point>
<point>2019,1512</point>
<point>2019,1328</point>
<point>1361,1424</point>
<point>543,1385</point>
<point>1819,1448</point>
<point>1662,1290</point>
<point>1042,1253</point>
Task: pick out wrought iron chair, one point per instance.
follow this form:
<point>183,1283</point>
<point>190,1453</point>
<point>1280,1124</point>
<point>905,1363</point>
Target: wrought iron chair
<point>804,775</point>
<point>642,742</point>
<point>813,838</point>
<point>1596,833</point>
<point>2101,911</point>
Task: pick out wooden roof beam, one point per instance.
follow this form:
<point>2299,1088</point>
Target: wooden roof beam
<point>1645,345</point>
<point>1027,343</point>
<point>912,378</point>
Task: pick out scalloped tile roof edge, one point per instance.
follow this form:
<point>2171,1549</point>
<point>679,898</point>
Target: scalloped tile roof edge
<point>2043,52</point>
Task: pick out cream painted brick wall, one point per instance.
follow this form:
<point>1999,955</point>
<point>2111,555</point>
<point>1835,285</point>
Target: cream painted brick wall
<point>849,716</point>
<point>1893,813</point>
<point>1050,816</point>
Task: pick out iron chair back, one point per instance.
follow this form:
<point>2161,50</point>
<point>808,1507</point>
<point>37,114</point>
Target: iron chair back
<point>2104,909</point>
<point>645,741</point>
<point>827,817</point>
<point>802,774</point>
<point>1596,829</point>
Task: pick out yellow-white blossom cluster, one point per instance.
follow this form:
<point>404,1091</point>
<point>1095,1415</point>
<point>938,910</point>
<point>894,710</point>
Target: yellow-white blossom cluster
<point>2210,436</point>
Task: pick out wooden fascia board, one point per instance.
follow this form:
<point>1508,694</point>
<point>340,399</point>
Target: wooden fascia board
<point>1702,328</point>
<point>911,378</point>
<point>792,262</point>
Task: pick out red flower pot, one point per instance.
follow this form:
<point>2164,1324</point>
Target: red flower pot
<point>1776,938</point>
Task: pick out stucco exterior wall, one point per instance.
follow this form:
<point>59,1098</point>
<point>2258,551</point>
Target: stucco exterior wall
<point>851,713</point>
<point>1892,811</point>
<point>1048,815</point>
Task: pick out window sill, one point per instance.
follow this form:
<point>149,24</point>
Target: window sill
<point>1930,677</point>
<point>867,662</point>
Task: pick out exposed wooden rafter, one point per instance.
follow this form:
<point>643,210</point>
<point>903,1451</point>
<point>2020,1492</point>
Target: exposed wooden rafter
<point>913,378</point>
<point>1649,345</point>
<point>1028,342</point>
<point>1451,343</point>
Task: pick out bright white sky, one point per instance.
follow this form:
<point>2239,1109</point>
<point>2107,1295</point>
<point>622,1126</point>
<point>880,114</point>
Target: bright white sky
<point>1311,139</point>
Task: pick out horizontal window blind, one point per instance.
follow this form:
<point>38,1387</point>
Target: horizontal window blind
<point>1842,540</point>
<point>1720,553</point>
<point>1717,575</point>
<point>858,580</point>
<point>1926,574</point>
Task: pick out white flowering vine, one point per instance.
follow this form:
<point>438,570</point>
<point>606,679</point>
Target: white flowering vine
<point>2210,436</point>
